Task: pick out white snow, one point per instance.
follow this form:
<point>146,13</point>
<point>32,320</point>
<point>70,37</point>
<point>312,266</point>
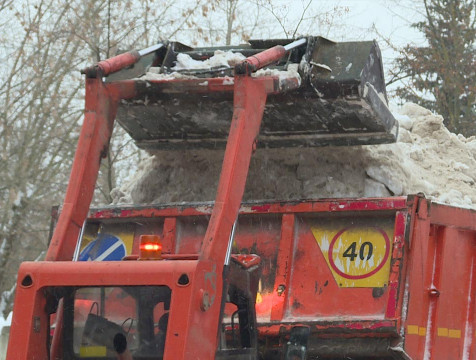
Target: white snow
<point>228,80</point>
<point>18,198</point>
<point>154,75</point>
<point>5,322</point>
<point>322,66</point>
<point>219,59</point>
<point>225,59</point>
<point>4,334</point>
<point>404,121</point>
<point>427,159</point>
<point>406,297</point>
<point>291,72</point>
<point>6,295</point>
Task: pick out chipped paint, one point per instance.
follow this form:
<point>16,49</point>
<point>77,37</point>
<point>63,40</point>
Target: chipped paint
<point>228,81</point>
<point>468,331</point>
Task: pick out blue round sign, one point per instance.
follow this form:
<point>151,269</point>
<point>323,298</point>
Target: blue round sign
<point>105,247</point>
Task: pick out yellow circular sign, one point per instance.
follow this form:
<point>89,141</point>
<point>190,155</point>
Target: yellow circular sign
<point>358,253</point>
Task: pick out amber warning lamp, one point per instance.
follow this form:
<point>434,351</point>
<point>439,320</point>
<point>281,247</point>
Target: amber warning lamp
<point>150,247</point>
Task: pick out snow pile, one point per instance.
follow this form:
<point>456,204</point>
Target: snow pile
<point>154,74</point>
<point>291,72</point>
<point>427,158</point>
<point>220,60</point>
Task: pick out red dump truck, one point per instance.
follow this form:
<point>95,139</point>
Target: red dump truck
<point>373,278</point>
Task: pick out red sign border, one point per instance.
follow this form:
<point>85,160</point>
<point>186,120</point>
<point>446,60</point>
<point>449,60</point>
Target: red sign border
<point>357,277</point>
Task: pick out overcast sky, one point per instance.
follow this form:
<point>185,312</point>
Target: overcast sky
<point>351,20</point>
<point>391,18</point>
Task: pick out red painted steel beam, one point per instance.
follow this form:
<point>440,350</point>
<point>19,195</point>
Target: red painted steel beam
<point>336,329</point>
<point>272,84</point>
<point>341,205</point>
<point>284,265</point>
<point>204,310</point>
<point>396,288</point>
<point>100,110</point>
<point>455,217</point>
<point>169,235</point>
<point>249,102</point>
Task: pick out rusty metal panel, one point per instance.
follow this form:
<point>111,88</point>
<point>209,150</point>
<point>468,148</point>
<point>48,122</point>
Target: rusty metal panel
<point>342,267</point>
<point>422,297</point>
<point>260,235</point>
<point>299,281</point>
<point>454,290</point>
<point>441,287</point>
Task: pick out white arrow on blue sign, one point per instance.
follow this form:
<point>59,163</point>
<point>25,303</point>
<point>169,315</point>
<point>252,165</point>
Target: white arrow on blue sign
<point>105,247</point>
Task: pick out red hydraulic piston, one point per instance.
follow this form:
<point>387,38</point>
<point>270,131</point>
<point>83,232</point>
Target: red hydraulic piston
<point>112,65</point>
<point>119,62</point>
<point>260,60</point>
<point>264,58</point>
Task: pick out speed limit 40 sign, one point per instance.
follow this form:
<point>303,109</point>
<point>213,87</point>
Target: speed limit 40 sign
<point>357,254</point>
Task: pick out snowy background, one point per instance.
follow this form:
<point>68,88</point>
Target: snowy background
<point>42,92</point>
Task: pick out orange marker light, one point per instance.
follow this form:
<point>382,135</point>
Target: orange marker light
<point>150,247</point>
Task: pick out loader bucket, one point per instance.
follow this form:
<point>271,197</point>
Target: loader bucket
<point>341,99</point>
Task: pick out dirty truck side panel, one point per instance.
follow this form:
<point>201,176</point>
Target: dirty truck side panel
<point>421,299</point>
<point>442,284</point>
<point>299,282</point>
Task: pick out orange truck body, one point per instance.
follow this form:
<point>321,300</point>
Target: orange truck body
<point>389,278</point>
<point>419,303</point>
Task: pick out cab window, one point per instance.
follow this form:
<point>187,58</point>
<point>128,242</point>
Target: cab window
<point>100,322</point>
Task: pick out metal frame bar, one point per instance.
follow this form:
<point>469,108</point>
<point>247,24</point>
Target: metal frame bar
<point>202,305</point>
<point>314,206</point>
